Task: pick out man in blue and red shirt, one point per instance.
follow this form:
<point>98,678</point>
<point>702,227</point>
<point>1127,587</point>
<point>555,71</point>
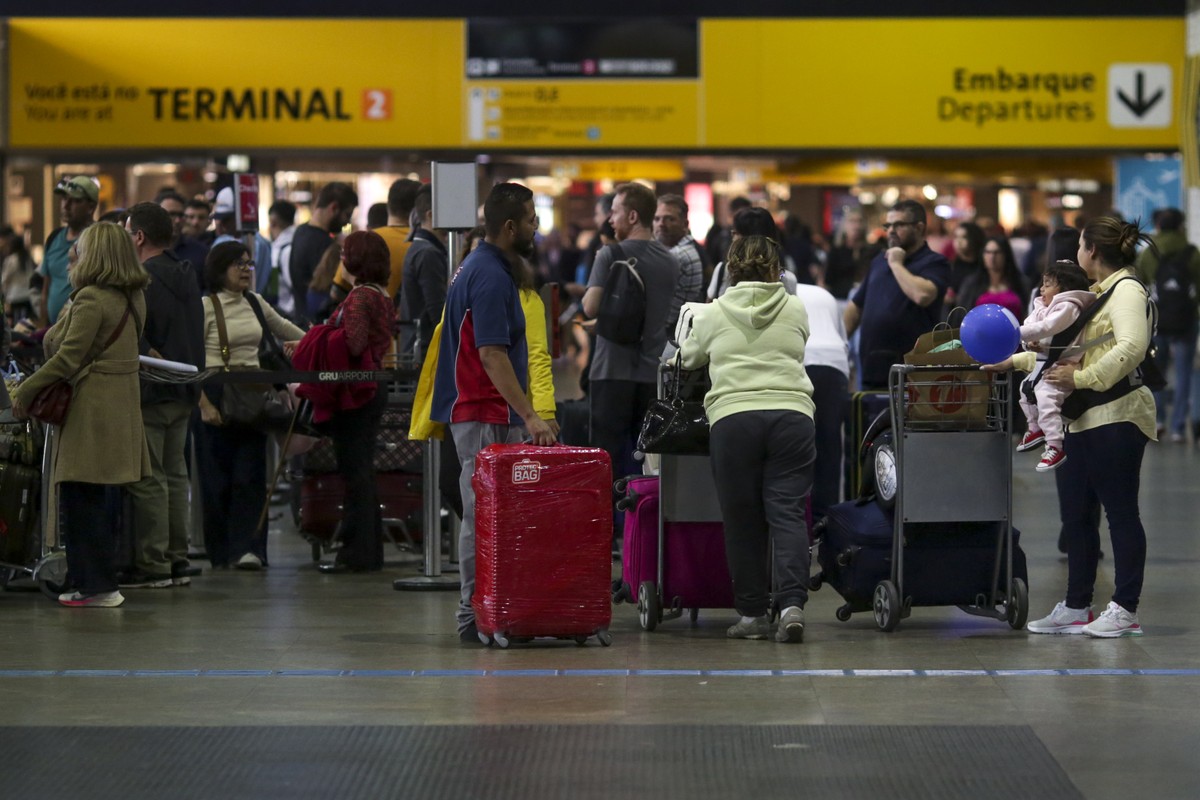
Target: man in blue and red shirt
<point>483,364</point>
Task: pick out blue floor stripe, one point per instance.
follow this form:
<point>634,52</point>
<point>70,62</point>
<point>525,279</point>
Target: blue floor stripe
<point>595,673</point>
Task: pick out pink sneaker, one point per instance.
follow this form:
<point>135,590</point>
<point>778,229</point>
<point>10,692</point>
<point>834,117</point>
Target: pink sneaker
<point>1052,458</point>
<point>1030,440</point>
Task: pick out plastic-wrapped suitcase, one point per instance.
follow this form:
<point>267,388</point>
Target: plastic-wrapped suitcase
<point>944,564</point>
<point>696,572</point>
<point>543,537</point>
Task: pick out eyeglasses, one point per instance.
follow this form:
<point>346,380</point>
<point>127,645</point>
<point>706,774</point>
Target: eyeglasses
<point>887,226</point>
<point>247,264</point>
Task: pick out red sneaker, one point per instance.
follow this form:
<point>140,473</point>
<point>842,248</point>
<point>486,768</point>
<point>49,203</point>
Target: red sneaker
<point>1030,440</point>
<point>1052,458</point>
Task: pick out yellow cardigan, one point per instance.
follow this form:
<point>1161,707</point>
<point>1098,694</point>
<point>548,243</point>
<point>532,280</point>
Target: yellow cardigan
<point>540,389</point>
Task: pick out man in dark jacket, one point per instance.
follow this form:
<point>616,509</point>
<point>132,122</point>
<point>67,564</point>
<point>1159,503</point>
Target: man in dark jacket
<point>426,280</point>
<point>174,330</point>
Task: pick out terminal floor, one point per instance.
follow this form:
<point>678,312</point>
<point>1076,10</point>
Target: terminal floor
<point>291,648</point>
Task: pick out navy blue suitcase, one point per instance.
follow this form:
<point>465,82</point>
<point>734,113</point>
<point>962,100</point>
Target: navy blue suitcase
<point>944,564</point>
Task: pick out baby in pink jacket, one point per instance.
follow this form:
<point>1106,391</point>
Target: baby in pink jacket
<point>1065,295</point>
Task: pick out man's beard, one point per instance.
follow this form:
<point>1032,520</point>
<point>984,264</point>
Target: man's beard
<point>525,249</point>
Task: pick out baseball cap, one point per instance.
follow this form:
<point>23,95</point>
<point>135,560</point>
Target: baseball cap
<point>223,207</point>
<point>79,187</point>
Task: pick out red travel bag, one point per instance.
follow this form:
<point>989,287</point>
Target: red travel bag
<point>543,534</point>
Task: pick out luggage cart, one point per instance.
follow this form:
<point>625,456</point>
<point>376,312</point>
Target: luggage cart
<point>47,563</point>
<point>962,419</point>
<point>687,494</point>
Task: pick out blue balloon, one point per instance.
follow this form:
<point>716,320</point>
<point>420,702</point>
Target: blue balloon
<point>990,333</point>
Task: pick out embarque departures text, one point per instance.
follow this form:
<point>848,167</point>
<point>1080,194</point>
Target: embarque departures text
<point>1049,97</point>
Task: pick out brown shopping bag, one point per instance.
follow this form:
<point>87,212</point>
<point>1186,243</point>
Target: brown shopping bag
<point>956,397</point>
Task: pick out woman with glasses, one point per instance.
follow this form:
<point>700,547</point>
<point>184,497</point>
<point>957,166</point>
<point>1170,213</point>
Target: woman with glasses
<point>233,460</point>
<point>999,282</point>
<point>101,442</point>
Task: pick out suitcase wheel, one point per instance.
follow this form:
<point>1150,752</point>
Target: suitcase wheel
<point>620,485</point>
<point>498,638</point>
<point>816,582</point>
<point>1018,605</point>
<point>604,637</point>
<point>886,606</point>
<point>648,605</point>
<point>693,616</point>
<point>843,613</point>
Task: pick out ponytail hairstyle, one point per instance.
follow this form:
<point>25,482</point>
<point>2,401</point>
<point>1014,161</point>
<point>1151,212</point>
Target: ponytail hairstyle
<point>1115,241</point>
<point>754,258</point>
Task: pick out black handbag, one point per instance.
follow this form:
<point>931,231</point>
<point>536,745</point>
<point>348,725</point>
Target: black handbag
<point>255,405</point>
<point>674,425</point>
<point>270,354</point>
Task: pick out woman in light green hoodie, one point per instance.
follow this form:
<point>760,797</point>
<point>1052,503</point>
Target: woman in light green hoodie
<point>763,442</point>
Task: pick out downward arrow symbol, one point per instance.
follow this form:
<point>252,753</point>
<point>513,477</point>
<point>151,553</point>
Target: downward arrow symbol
<point>1141,104</point>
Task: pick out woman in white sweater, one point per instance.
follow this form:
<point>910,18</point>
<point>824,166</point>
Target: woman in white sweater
<point>233,460</point>
<point>763,442</point>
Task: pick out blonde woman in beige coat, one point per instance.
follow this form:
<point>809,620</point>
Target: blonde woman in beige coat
<point>102,441</point>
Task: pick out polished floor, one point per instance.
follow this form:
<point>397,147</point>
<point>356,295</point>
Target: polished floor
<point>291,647</point>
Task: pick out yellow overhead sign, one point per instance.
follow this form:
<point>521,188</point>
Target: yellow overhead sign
<point>722,84</point>
<point>943,83</point>
<point>125,83</point>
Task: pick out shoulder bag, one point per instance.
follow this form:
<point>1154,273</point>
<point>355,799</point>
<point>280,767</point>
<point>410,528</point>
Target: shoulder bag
<point>248,405</point>
<point>54,401</point>
<point>270,353</point>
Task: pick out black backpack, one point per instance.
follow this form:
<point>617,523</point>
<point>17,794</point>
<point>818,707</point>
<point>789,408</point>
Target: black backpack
<point>622,315</point>
<point>1175,293</point>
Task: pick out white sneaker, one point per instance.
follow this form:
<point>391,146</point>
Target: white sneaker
<point>791,625</point>
<point>1062,620</point>
<point>1113,623</point>
<point>249,561</point>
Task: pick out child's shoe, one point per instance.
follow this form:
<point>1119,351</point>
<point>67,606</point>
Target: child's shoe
<point>1052,459</point>
<point>1032,438</point>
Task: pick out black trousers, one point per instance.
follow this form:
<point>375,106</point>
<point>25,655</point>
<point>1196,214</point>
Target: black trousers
<point>1103,467</point>
<point>762,464</point>
<point>90,535</point>
<point>831,393</point>
<point>618,408</point>
<point>355,434</point>
<point>233,486</point>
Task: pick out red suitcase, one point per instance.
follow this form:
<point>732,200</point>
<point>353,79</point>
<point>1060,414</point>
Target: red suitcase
<point>400,498</point>
<point>543,543</point>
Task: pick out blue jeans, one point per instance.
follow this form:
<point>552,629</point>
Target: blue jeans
<point>1179,350</point>
<point>1103,467</point>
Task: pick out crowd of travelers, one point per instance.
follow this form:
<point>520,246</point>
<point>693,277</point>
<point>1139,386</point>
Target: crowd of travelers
<point>804,321</point>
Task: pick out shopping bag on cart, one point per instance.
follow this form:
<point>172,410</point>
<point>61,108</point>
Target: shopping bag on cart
<point>954,396</point>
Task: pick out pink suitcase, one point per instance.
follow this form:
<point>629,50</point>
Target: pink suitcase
<point>696,573</point>
<point>543,531</point>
